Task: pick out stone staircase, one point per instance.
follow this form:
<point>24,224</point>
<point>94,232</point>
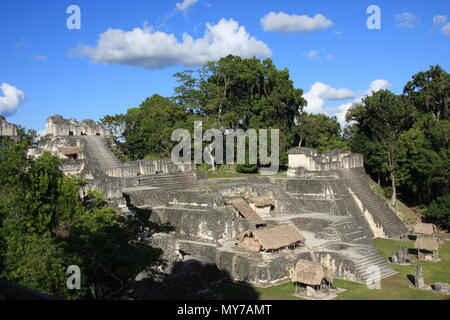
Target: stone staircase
<point>173,183</point>
<point>375,205</point>
<point>97,149</point>
<point>368,261</point>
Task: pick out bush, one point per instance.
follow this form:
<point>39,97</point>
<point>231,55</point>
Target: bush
<point>247,168</point>
<point>438,211</point>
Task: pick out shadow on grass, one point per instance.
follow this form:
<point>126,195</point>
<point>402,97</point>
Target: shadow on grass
<point>192,279</point>
<point>411,279</point>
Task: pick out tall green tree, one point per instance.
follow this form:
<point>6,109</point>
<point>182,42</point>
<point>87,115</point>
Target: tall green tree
<point>383,117</point>
<point>149,128</point>
<point>320,131</point>
<point>429,91</point>
<point>242,93</point>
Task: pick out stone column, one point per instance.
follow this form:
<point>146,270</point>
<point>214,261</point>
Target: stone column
<point>419,281</point>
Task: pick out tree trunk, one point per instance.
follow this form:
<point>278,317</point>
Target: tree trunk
<point>394,191</point>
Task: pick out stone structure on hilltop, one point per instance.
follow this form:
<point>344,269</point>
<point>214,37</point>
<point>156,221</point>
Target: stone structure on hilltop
<point>345,170</point>
<point>253,229</point>
<point>7,129</point>
<point>58,126</point>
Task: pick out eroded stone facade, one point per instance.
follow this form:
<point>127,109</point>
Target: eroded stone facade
<point>58,126</point>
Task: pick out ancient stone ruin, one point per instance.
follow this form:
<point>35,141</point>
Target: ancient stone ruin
<point>253,229</point>
<point>401,256</point>
<point>58,126</point>
<point>7,129</point>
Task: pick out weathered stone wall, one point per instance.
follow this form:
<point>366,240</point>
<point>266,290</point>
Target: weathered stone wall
<point>58,126</point>
<point>57,146</point>
<point>146,196</point>
<point>196,199</point>
<point>215,225</point>
<point>7,129</point>
<point>149,167</point>
<point>310,160</point>
<point>342,267</point>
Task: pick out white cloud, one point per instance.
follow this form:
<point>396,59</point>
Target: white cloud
<point>374,86</point>
<point>182,6</point>
<point>330,56</point>
<point>406,20</point>
<point>439,19</point>
<point>320,92</point>
<point>446,29</point>
<point>377,85</point>
<point>150,49</point>
<point>12,98</point>
<point>286,23</point>
<point>313,54</point>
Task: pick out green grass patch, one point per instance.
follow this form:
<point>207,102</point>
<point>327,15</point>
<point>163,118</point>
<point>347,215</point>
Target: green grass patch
<point>395,287</point>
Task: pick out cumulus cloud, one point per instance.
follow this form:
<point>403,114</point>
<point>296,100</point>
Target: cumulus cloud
<point>406,20</point>
<point>320,92</point>
<point>144,47</point>
<point>374,86</point>
<point>11,100</point>
<point>182,6</point>
<point>290,23</point>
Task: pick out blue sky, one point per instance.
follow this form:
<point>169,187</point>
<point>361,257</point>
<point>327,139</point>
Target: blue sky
<point>47,69</point>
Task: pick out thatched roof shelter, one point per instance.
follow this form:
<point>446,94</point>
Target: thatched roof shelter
<point>311,273</point>
<point>262,201</point>
<point>430,244</point>
<point>425,228</point>
<point>69,151</point>
<point>272,238</point>
<point>246,211</point>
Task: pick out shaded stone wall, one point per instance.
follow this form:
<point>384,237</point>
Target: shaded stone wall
<point>58,126</point>
<point>148,167</point>
<point>215,225</point>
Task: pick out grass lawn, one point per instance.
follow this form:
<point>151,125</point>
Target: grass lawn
<point>395,287</point>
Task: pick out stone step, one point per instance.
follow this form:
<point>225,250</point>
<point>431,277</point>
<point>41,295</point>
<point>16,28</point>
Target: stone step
<point>97,149</point>
<point>377,207</point>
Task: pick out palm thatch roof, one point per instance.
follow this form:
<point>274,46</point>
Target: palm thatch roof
<point>274,238</point>
<point>425,228</point>
<point>309,273</point>
<point>261,201</point>
<point>430,244</point>
<point>246,211</point>
<point>67,151</point>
